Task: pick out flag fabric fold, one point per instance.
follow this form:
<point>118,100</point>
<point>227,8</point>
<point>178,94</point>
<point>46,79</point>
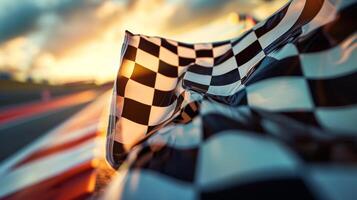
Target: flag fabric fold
<point>270,114</point>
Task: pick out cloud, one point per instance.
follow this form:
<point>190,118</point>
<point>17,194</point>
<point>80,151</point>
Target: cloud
<point>69,39</point>
<point>17,19</point>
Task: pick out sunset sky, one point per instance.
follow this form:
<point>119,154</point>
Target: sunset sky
<point>73,40</point>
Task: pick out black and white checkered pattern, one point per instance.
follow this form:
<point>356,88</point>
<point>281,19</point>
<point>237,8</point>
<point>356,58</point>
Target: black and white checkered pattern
<point>157,76</point>
<point>271,114</point>
<point>226,153</point>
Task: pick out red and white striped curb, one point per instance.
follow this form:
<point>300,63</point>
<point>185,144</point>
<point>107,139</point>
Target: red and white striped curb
<point>62,163</point>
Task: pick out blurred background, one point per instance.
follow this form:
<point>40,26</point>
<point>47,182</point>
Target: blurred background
<point>58,58</point>
<point>66,41</point>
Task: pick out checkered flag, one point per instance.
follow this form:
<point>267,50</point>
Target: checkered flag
<point>271,114</point>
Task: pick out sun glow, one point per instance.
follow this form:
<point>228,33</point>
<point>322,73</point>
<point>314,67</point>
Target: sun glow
<point>87,45</point>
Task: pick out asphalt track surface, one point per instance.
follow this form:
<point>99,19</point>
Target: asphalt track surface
<point>33,121</point>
